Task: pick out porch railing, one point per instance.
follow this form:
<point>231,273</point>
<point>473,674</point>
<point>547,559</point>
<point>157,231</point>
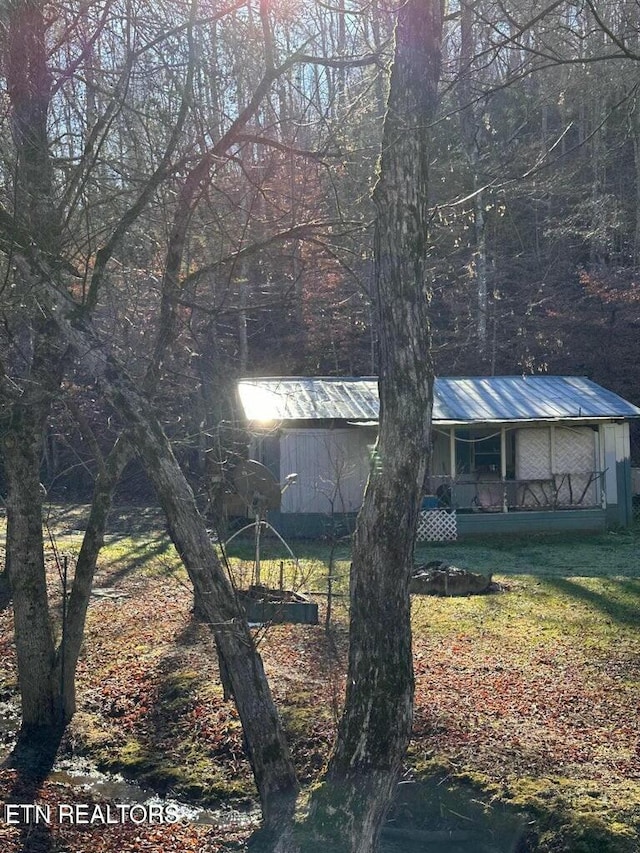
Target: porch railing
<point>485,493</point>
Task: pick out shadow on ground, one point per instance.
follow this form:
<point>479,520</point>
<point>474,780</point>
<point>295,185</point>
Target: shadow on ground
<point>623,609</point>
<point>32,758</point>
<point>452,816</point>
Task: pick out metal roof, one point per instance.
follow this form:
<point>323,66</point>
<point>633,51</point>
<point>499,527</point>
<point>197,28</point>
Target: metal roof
<point>313,398</point>
<point>456,400</point>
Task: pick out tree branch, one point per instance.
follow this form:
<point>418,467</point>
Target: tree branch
<point>161,172</point>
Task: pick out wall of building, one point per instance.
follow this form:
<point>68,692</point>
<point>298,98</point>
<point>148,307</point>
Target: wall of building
<point>615,461</point>
<point>332,466</point>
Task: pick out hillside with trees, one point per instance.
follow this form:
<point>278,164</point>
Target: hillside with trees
<point>220,161</point>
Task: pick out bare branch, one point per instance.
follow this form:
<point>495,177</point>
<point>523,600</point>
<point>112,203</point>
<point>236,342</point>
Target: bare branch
<point>163,169</point>
<point>295,232</point>
<point>630,54</point>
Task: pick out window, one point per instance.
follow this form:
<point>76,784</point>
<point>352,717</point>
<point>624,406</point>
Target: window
<point>479,452</point>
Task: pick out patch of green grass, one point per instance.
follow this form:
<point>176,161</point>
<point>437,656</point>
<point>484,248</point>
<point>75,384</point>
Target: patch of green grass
<point>550,814</point>
<point>151,554</point>
<point>304,575</point>
<point>300,713</point>
<point>168,754</point>
<point>571,611</point>
<point>306,550</point>
<point>612,553</point>
<point>573,636</point>
<point>439,800</point>
<point>177,689</point>
<point>588,613</point>
<point>192,777</point>
<point>577,816</point>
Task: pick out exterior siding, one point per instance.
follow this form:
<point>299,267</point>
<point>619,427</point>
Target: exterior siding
<point>332,467</point>
<point>616,462</point>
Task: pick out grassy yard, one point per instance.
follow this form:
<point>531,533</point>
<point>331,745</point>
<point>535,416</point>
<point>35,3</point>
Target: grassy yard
<point>526,727</point>
<point>588,555</point>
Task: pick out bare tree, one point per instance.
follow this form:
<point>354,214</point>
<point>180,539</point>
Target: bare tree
<point>59,273</point>
<point>348,810</point>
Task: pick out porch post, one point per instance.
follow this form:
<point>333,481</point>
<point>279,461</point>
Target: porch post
<point>503,466</point>
<point>452,452</point>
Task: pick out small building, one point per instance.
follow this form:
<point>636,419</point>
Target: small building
<point>509,453</point>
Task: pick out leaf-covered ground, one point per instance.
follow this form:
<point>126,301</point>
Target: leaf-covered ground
<point>526,718</point>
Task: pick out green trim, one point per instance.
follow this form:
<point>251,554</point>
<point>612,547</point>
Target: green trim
<point>481,523</point>
<point>313,525</point>
<point>319,526</point>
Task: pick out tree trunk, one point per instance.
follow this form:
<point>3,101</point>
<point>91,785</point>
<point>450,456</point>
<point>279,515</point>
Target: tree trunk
<point>266,744</point>
<point>22,428</point>
<point>54,689</point>
<point>470,131</point>
<point>35,646</point>
<point>35,360</point>
<point>348,810</point>
<point>267,748</point>
<point>634,129</point>
<point>92,542</point>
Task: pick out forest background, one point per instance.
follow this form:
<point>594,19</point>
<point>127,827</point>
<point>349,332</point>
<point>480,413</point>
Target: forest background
<point>231,150</point>
<point>187,198</point>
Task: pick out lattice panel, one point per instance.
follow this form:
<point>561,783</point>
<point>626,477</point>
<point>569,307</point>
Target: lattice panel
<point>575,457</point>
<point>533,462</point>
<point>533,454</point>
<point>575,450</point>
<point>437,525</point>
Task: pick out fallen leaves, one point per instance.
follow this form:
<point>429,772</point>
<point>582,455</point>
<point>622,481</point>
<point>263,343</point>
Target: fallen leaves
<point>529,684</point>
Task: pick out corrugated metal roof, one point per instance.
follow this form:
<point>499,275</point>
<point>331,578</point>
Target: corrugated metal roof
<point>512,398</point>
<point>309,398</point>
<point>456,400</point>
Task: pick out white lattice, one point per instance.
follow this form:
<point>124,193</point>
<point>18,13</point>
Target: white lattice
<point>533,462</point>
<point>575,453</point>
<point>533,454</point>
<point>437,525</point>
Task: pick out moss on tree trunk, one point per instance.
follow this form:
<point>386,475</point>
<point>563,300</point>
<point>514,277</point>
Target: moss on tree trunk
<point>348,810</point>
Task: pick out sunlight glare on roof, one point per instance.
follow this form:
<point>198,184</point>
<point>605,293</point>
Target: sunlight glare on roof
<point>259,403</point>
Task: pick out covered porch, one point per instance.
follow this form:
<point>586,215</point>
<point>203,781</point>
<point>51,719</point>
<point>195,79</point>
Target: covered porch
<point>541,475</point>
<point>510,467</point>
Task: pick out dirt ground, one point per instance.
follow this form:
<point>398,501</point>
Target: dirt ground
<point>526,735</point>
